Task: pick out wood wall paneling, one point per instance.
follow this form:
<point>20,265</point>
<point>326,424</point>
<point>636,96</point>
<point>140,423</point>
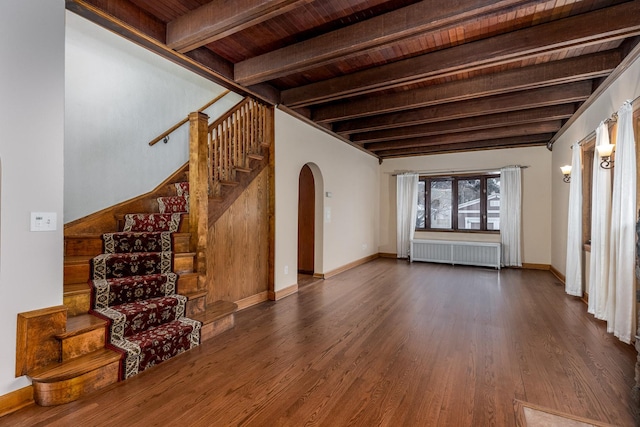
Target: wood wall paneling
<point>238,246</point>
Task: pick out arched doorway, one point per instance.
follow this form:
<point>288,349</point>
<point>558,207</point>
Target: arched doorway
<point>306,221</point>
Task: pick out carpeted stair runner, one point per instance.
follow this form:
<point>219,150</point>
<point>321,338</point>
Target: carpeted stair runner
<point>134,289</point>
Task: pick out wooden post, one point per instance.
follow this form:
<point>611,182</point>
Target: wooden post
<point>199,191</point>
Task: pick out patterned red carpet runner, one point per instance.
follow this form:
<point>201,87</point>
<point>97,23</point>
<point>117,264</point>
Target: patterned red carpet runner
<point>134,289</point>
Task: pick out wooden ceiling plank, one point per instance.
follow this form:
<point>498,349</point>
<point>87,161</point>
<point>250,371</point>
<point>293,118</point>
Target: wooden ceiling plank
<point>553,95</point>
<point>600,26</point>
<point>365,36</point>
<point>221,18</point>
<point>514,142</point>
<point>480,135</point>
<point>547,74</point>
<point>556,112</point>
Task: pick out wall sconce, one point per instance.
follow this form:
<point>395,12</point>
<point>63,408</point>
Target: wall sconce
<point>566,171</point>
<point>605,151</point>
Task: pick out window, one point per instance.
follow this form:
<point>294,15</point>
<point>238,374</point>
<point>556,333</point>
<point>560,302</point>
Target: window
<point>477,207</point>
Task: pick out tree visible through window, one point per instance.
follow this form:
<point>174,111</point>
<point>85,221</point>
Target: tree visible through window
<point>477,207</point>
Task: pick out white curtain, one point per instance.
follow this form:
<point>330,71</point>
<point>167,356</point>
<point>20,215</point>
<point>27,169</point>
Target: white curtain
<point>600,223</point>
<point>510,215</point>
<point>573,280</point>
<point>407,210</point>
<point>621,298</point>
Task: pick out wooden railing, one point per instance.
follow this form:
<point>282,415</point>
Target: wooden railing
<point>234,139</point>
<point>164,136</point>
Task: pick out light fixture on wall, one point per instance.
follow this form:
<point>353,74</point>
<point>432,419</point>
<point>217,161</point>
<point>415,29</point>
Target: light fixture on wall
<point>566,171</point>
<point>605,151</point>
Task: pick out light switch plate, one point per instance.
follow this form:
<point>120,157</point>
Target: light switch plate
<point>43,221</point>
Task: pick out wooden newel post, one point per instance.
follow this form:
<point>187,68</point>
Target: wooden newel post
<point>199,191</point>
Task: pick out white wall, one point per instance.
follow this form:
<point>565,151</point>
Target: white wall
<point>626,87</point>
<point>119,96</point>
<point>536,204</point>
<point>31,165</point>
<point>349,174</point>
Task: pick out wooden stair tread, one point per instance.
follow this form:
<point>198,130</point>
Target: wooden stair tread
<point>240,169</point>
<point>194,294</point>
<point>234,183</point>
<point>76,289</point>
<point>217,310</point>
<point>78,259</point>
<point>75,367</point>
<point>255,156</point>
<point>80,324</point>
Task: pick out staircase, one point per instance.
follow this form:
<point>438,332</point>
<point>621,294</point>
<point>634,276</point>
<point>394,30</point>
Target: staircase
<point>105,296</point>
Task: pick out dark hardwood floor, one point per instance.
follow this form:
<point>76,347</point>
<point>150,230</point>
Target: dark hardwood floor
<point>387,344</point>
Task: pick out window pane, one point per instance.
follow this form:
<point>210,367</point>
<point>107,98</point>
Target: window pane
<point>440,204</point>
<point>493,203</point>
<point>469,204</point>
<point>420,219</point>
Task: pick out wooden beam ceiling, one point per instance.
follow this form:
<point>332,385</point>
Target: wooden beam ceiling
<point>548,74</point>
<point>221,18</point>
<point>522,100</point>
<point>365,36</point>
<point>613,23</point>
<point>398,77</point>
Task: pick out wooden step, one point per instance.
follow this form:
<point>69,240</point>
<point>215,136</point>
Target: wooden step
<point>255,156</point>
<point>77,298</point>
<point>93,245</point>
<point>217,318</point>
<point>184,223</point>
<point>187,282</point>
<point>197,300</point>
<point>77,268</point>
<point>184,262</point>
<point>84,334</point>
<point>65,382</point>
<point>83,245</point>
<point>243,170</point>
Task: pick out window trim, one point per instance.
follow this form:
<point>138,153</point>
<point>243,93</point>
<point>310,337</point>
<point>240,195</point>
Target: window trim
<point>454,206</point>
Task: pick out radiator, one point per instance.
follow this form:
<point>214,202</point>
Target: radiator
<point>467,253</point>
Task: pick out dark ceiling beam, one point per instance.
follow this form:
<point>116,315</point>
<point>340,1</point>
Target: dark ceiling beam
<point>557,72</point>
<point>130,13</point>
<point>221,18</point>
<point>543,114</point>
<point>604,25</point>
<point>513,142</point>
<point>521,100</point>
<point>479,135</point>
<point>129,32</point>
<point>363,37</point>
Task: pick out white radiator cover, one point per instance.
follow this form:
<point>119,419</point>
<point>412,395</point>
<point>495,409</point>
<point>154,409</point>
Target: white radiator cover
<point>482,254</point>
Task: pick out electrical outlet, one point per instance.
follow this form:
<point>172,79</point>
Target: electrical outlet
<point>286,269</point>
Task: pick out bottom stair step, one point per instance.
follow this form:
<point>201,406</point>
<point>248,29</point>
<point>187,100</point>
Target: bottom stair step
<point>155,345</point>
<point>67,381</point>
<point>218,317</point>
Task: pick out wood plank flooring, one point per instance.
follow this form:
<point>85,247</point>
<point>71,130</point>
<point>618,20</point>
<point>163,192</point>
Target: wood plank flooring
<point>385,344</point>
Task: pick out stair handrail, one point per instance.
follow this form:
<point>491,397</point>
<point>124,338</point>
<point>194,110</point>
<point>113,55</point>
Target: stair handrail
<point>165,135</point>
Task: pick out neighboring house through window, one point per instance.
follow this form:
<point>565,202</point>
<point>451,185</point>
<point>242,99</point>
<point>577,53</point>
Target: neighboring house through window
<point>477,207</point>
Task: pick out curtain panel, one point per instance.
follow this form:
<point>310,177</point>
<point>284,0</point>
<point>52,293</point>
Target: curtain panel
<point>573,280</point>
<point>406,211</point>
<point>621,298</point>
<point>511,215</point>
<point>600,222</point>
